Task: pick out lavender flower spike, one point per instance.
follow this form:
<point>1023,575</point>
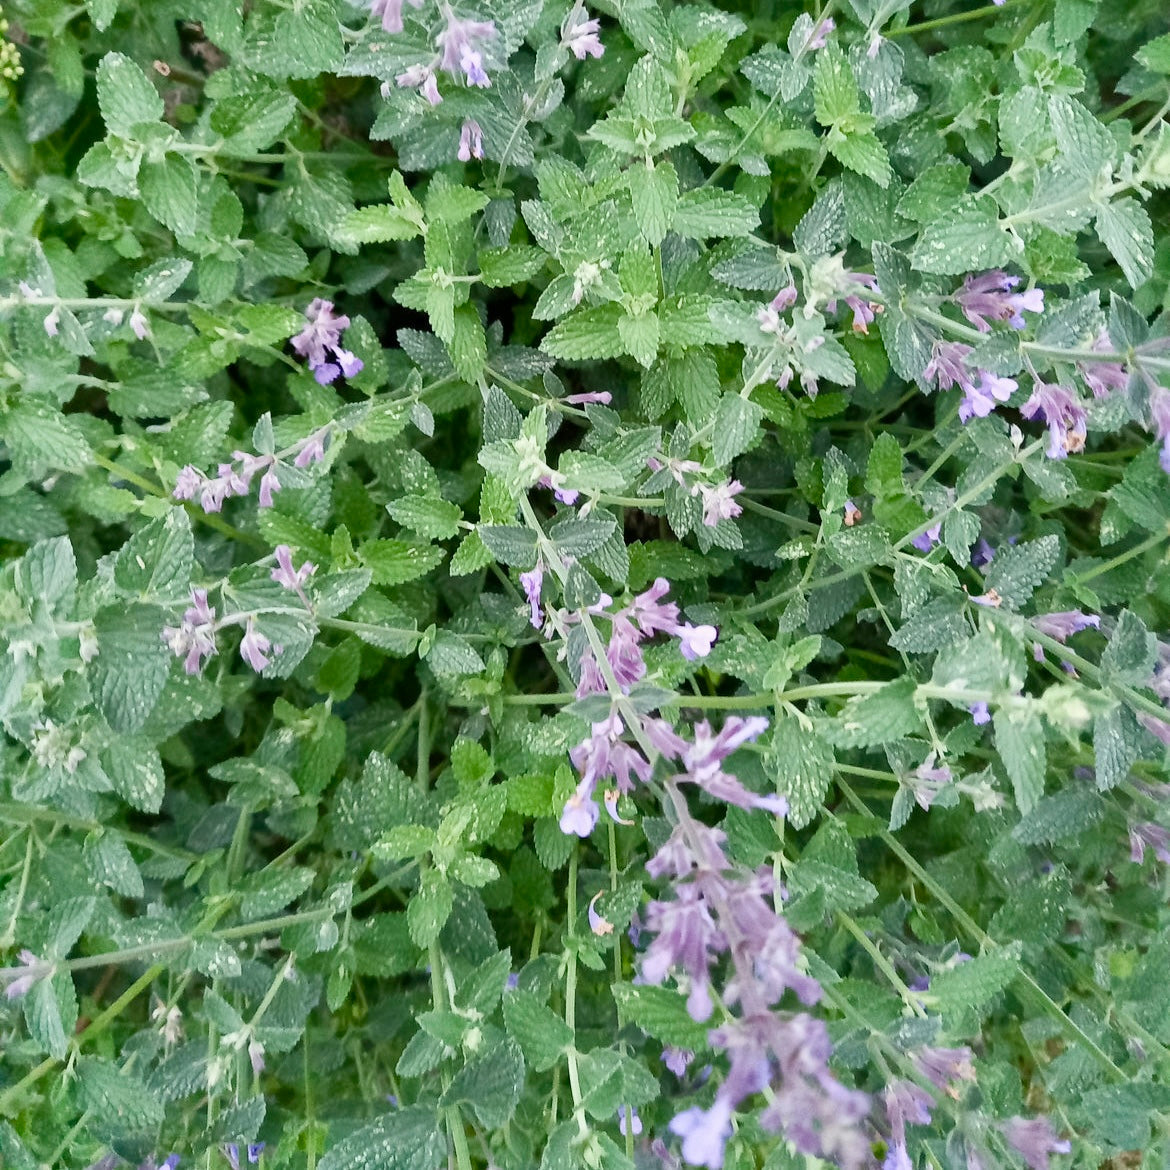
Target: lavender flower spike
<point>1034,1139</point>
<point>470,141</point>
<point>582,39</point>
<point>194,638</point>
<point>322,337</point>
<point>284,573</point>
<point>1064,624</point>
<point>704,1134</point>
<point>459,48</point>
<point>1060,408</point>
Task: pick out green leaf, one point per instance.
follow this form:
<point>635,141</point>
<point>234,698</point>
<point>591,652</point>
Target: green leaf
<point>102,13</point>
<point>394,562</point>
<point>170,193</point>
<point>577,537</point>
<point>542,1035</point>
<point>117,1096</point>
<point>402,1139</point>
<point>155,563</point>
<point>967,238</point>
<point>131,666</point>
<point>47,573</point>
<point>935,192</point>
<point>835,93</point>
<point>654,190</point>
<point>506,267</point>
<point>1132,650</point>
<point>378,224</point>
<point>1155,55</point>
<point>640,334</point>
<point>468,344</point>
<point>429,908</point>
<point>887,715</point>
<point>125,95</point>
<point>1085,145</point>
<point>737,422</point>
<point>491,1084</point>
<point>252,121</point>
<point>40,438</point>
<point>864,153</point>
<point>971,985</point>
<point>50,1011</point>
<point>1125,229</point>
<point>452,655</point>
<point>660,1013</point>
<point>1019,739</point>
<point>1019,569</point>
<point>429,516</point>
<point>510,544</point>
<point>111,863</point>
<point>801,763</point>
<point>711,212</point>
<point>586,334</point>
<point>136,772</point>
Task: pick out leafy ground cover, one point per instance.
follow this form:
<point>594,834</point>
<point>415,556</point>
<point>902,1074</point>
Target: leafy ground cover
<point>584,585</point>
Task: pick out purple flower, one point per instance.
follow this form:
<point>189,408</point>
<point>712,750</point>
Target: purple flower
<point>1158,728</point>
<point>704,1134</point>
<point>188,482</point>
<point>139,323</point>
<point>989,296</point>
<point>1064,624</point>
<point>254,647</point>
<point>979,401</point>
<point>1103,378</point>
<point>312,449</point>
<point>1160,415</point>
<point>269,483</point>
<point>906,1104</point>
<point>1034,1139</point>
<point>946,366</point>
<point>52,321</point>
<point>820,35</point>
<point>1147,833</point>
<point>702,759</point>
<point>944,1067</point>
<point>581,37</point>
<point>925,541</point>
<point>696,641</point>
<point>459,48</point>
<point>470,141</point>
<point>604,397</point>
<point>530,582</point>
<point>284,573</point>
<point>628,1121</point>
<point>979,713</point>
<point>37,970</point>
<point>677,1059</point>
<point>391,13</point>
<point>194,638</point>
<point>257,1148</point>
<point>1062,411</point>
<point>422,78</point>
<point>580,814</point>
<point>719,501</point>
<point>321,337</point>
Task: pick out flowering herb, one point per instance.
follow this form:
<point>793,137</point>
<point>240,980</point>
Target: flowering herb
<point>583,585</point>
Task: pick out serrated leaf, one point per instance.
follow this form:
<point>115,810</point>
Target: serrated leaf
<point>116,1095</point>
<point>887,715</point>
<point>429,908</point>
<point>1019,569</point>
<point>490,1084</point>
<point>967,238</point>
<point>1019,739</point>
<point>429,516</point>
<point>542,1035</point>
<point>1125,229</point>
<point>712,213</point>
<point>654,191</point>
<point>586,334</point>
<point>737,422</point>
<point>402,1139</point>
<point>125,95</point>
<point>156,562</point>
<point>660,1013</point>
<point>510,544</point>
<point>169,192</point>
<point>394,562</point>
<point>131,666</point>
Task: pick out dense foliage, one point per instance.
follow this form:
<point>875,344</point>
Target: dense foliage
<point>584,585</point>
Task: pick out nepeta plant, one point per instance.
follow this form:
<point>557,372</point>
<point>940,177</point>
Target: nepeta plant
<point>583,584</point>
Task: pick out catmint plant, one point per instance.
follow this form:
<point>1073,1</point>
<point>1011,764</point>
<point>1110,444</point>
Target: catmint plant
<point>583,584</point>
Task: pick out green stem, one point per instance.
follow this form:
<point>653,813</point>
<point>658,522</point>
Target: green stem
<point>571,992</point>
<point>956,18</point>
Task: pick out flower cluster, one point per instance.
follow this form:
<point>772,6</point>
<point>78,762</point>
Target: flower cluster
<point>990,297</point>
<point>717,912</point>
<point>235,478</point>
<point>982,390</point>
<point>459,44</point>
<point>194,638</point>
<point>320,340</point>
